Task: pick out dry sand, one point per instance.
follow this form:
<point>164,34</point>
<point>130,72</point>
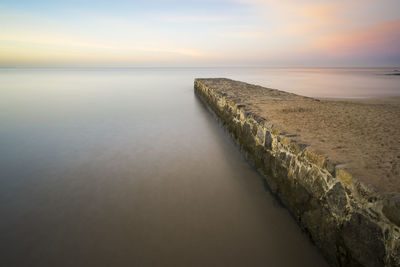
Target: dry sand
<point>362,134</point>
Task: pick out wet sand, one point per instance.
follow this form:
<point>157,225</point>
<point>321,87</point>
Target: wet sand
<point>361,135</point>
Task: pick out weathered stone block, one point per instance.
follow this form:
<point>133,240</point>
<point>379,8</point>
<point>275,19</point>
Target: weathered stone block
<point>329,166</point>
<point>364,238</point>
<point>315,158</point>
<point>275,131</point>
<point>394,259</point>
<point>285,141</point>
<point>337,199</point>
<point>268,140</point>
<point>391,208</point>
<point>301,197</point>
<point>344,176</point>
<point>365,191</point>
<point>318,188</point>
<point>322,229</point>
<point>296,148</point>
<point>259,156</point>
<point>261,135</point>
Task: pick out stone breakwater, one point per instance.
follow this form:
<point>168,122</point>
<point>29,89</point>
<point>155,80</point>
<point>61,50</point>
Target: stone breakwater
<point>352,223</point>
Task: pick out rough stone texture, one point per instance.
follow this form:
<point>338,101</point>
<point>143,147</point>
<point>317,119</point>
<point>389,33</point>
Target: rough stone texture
<point>361,134</point>
<point>337,199</point>
<point>364,238</point>
<point>351,223</point>
<point>391,209</point>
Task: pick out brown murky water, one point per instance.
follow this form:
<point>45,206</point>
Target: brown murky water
<point>127,168</point>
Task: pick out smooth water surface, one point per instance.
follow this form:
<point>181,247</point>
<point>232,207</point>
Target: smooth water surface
<point>126,167</point>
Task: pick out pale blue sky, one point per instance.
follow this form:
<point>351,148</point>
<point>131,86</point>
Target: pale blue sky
<point>200,33</point>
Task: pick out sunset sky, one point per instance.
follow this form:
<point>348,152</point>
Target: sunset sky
<point>200,33</point>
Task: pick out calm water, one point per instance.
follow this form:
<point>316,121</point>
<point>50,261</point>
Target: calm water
<point>123,167</point>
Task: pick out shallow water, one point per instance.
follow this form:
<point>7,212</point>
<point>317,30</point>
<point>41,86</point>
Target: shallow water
<point>122,167</point>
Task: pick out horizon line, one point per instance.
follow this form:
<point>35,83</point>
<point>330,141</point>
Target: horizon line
<point>197,67</point>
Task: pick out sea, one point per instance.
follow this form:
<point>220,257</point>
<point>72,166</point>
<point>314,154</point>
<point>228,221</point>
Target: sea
<point>127,167</point>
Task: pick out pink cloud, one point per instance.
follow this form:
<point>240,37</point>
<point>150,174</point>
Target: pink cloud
<point>379,39</point>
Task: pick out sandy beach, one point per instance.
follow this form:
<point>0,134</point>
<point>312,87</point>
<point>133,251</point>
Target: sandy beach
<point>361,135</point>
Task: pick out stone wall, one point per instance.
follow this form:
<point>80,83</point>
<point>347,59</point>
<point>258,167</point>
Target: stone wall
<point>352,224</point>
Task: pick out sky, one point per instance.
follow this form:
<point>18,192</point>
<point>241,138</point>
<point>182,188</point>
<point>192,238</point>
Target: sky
<point>363,33</point>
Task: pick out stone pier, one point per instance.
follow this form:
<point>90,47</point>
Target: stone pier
<point>352,223</point>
